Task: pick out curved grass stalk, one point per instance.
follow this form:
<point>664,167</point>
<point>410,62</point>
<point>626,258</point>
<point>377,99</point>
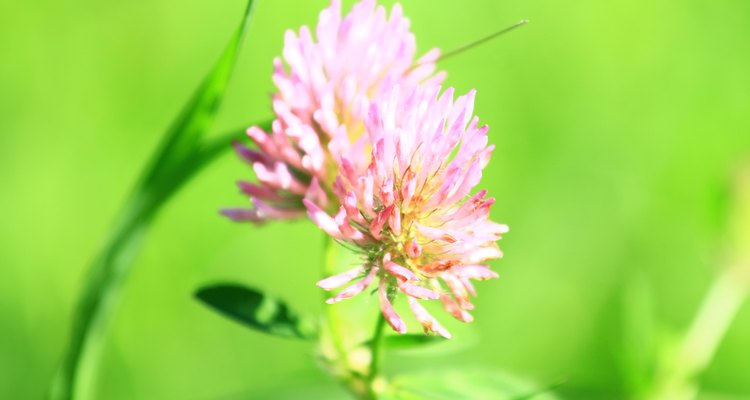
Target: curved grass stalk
<point>698,346</point>
<point>182,154</point>
<point>725,297</point>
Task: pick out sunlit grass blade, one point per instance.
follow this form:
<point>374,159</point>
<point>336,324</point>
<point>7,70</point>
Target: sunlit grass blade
<point>180,156</point>
<point>256,310</point>
<point>194,121</point>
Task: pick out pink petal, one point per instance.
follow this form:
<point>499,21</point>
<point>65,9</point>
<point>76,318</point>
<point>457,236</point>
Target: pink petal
<point>454,309</point>
<point>408,188</point>
<point>413,249</point>
<point>387,309</point>
<point>458,290</point>
<point>356,288</point>
<point>342,221</point>
<point>386,192</point>
<point>335,281</point>
<point>468,286</point>
<point>394,221</point>
<point>417,291</point>
<point>483,254</point>
<point>262,140</point>
<point>261,192</point>
<point>316,194</point>
<point>399,271</point>
<point>272,211</point>
<point>426,319</point>
<point>367,193</point>
<point>377,224</point>
<point>479,272</point>
<point>241,214</point>
<point>322,220</point>
<point>350,203</point>
<point>250,156</point>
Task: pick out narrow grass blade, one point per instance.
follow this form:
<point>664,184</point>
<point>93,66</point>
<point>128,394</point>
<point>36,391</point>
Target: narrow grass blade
<point>178,152</point>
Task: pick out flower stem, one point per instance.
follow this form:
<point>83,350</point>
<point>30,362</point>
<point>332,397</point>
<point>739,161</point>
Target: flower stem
<point>375,351</point>
<point>333,337</point>
<point>358,379</point>
<point>330,261</point>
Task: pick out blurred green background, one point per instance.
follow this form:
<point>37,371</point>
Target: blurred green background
<point>617,124</point>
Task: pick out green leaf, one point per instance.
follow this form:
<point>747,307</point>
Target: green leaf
<point>192,124</point>
<point>178,158</point>
<point>464,384</point>
<point>255,309</point>
<point>408,341</point>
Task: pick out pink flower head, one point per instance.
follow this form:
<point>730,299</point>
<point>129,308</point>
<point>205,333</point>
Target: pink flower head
<point>324,89</point>
<point>410,210</point>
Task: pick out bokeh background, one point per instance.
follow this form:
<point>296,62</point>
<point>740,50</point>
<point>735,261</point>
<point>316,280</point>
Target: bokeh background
<point>618,125</point>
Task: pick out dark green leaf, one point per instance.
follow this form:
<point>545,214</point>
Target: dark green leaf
<point>409,341</point>
<point>256,310</point>
<point>464,384</point>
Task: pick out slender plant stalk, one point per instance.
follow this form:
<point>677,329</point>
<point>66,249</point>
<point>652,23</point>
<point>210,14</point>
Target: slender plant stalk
<point>181,154</point>
<point>358,383</point>
<point>331,253</point>
<point>698,346</point>
<point>100,293</point>
<point>721,304</point>
<point>105,282</point>
<point>376,355</point>
<point>481,41</point>
<point>375,349</point>
<point>333,336</point>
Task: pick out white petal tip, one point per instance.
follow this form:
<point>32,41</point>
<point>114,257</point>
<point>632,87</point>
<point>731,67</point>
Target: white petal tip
<point>445,334</point>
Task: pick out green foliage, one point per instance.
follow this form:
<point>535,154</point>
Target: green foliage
<point>640,334</point>
<point>178,159</point>
<point>616,126</point>
<point>186,133</point>
<point>257,310</point>
<point>408,341</point>
<point>464,384</point>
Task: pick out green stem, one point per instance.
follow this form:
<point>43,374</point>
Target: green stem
<point>334,337</point>
<point>330,261</point>
<point>99,297</point>
<point>375,349</point>
<point>108,273</point>
<point>699,344</point>
<point>721,304</point>
<point>359,383</point>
